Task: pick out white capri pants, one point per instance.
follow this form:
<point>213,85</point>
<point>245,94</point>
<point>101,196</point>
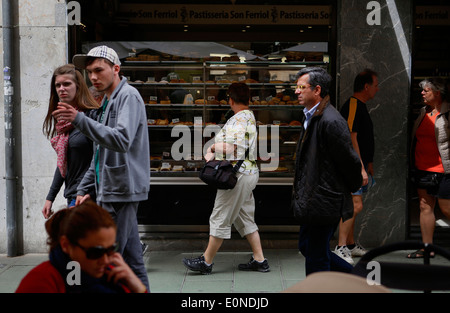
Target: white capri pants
<point>235,206</point>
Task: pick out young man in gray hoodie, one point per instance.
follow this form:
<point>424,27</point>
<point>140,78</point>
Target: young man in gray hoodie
<point>120,169</point>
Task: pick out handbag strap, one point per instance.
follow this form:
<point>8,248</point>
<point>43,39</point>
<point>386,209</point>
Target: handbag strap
<point>239,163</point>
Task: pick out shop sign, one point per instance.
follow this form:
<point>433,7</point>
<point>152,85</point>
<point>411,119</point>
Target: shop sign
<point>432,15</point>
<point>225,14</point>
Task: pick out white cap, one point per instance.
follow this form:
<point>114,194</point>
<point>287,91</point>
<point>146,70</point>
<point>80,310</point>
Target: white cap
<point>79,60</point>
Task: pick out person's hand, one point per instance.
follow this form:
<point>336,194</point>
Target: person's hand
<point>365,177</point>
<point>80,199</point>
<point>47,210</point>
<point>122,273</point>
<point>209,156</point>
<point>65,112</point>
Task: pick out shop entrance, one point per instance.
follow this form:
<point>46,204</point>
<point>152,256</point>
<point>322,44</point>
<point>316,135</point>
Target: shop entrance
<point>431,48</point>
<point>271,42</point>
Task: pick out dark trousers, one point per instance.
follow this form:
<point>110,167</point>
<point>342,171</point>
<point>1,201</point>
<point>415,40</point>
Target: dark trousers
<point>314,244</point>
<point>125,216</point>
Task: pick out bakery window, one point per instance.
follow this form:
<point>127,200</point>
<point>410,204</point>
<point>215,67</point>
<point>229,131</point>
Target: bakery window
<point>184,86</point>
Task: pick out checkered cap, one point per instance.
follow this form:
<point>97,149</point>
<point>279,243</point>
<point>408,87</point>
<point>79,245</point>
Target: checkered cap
<point>79,60</point>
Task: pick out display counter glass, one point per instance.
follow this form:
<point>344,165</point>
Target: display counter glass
<point>186,104</point>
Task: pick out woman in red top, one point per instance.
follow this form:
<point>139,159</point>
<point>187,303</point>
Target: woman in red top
<point>431,139</point>
<point>85,234</point>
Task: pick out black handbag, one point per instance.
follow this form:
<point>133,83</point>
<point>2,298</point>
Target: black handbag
<point>426,180</point>
<point>220,174</point>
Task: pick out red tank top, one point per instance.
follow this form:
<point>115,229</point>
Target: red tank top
<point>427,154</point>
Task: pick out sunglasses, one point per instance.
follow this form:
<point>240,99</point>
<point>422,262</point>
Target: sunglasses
<point>97,252</point>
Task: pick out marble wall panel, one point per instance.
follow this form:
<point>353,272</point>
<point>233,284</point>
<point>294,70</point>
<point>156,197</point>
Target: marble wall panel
<point>385,48</point>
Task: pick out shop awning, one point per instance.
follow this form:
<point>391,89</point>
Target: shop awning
<point>180,48</point>
<point>309,47</point>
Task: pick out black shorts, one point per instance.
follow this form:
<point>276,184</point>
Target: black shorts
<point>436,184</point>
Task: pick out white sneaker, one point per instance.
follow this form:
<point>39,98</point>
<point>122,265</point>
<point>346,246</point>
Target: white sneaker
<point>358,251</point>
<point>344,253</point>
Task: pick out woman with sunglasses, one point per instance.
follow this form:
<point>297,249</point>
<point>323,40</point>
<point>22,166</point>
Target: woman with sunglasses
<point>83,257</point>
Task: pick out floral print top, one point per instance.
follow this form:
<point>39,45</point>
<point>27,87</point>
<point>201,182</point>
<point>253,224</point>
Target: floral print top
<point>241,131</point>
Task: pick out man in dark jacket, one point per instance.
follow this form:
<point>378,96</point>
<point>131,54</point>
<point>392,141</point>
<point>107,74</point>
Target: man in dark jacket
<point>327,170</point>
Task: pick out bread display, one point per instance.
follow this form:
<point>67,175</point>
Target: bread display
<point>162,122</point>
<point>181,94</point>
<point>200,101</point>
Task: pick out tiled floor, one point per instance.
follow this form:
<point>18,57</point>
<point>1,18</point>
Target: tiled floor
<point>168,275</point>
<point>287,268</point>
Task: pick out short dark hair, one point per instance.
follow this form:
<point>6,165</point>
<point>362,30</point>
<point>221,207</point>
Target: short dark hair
<point>317,77</point>
<point>90,60</point>
<point>239,92</point>
<point>363,78</point>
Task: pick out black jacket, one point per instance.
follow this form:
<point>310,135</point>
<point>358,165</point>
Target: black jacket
<point>327,169</point>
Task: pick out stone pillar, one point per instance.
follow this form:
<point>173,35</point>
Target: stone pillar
<point>42,46</point>
<point>380,40</point>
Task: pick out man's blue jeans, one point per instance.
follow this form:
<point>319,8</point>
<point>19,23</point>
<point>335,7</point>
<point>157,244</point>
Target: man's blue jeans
<point>314,244</point>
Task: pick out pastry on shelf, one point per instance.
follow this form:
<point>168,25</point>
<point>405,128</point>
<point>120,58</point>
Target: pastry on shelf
<point>213,101</point>
<point>162,122</point>
<point>177,81</point>
<point>165,167</point>
<point>200,101</point>
<point>177,168</point>
<point>274,101</point>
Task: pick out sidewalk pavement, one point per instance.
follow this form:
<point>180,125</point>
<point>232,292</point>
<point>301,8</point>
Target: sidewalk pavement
<point>168,275</point>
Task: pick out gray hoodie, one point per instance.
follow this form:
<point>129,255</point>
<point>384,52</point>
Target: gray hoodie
<point>123,148</point>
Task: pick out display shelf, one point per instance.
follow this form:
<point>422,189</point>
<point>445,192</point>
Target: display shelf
<point>193,94</point>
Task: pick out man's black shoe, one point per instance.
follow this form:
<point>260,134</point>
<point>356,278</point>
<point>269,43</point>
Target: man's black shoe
<point>254,265</point>
<point>198,265</point>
